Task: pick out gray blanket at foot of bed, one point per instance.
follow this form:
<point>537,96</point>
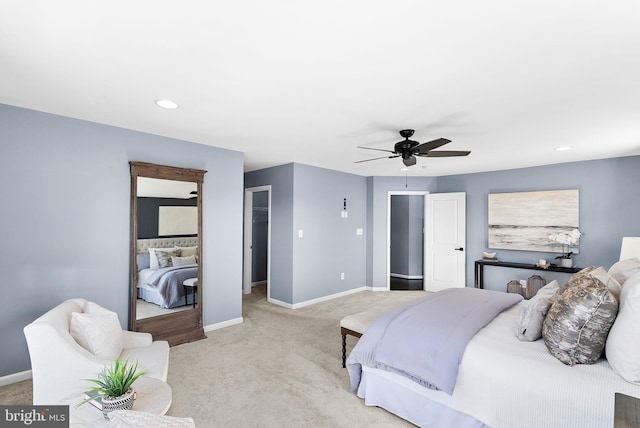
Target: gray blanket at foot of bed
<point>425,339</point>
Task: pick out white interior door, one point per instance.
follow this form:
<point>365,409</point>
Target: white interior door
<point>444,255</point>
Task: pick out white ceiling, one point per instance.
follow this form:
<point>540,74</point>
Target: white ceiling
<point>158,188</point>
<point>298,81</point>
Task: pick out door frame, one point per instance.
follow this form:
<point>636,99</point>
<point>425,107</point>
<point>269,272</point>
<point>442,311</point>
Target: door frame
<point>248,234</point>
<point>390,193</point>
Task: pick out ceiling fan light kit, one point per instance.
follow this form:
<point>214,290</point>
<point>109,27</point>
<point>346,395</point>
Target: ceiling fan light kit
<point>409,149</point>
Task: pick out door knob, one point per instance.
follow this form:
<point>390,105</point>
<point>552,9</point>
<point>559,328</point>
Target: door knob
<point>459,249</point>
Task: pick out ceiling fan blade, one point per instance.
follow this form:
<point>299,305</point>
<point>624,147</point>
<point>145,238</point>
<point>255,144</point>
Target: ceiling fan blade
<point>409,161</point>
<point>380,150</point>
<point>445,154</point>
<point>383,157</point>
<point>430,145</point>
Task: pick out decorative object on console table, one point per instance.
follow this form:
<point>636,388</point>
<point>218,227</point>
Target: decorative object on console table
<point>489,257</point>
<point>114,386</point>
<point>567,240</point>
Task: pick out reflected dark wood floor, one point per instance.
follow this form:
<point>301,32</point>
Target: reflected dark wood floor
<point>405,284</point>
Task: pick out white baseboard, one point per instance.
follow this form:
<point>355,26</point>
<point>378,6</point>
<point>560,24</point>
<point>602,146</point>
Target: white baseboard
<point>223,324</point>
<point>257,283</point>
<point>325,298</point>
<point>402,276</point>
<point>280,303</point>
<point>370,288</point>
<point>15,378</point>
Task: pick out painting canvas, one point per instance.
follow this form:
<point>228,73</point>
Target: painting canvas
<point>524,220</point>
<point>177,220</point>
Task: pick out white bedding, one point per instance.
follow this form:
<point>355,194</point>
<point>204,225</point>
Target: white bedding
<point>504,382</point>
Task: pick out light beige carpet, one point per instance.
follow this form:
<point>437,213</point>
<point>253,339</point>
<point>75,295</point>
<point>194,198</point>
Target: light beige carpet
<point>280,368</point>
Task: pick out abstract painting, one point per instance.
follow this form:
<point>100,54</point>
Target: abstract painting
<point>524,220</point>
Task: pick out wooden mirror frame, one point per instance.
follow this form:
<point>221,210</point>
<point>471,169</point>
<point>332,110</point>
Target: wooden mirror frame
<point>178,327</point>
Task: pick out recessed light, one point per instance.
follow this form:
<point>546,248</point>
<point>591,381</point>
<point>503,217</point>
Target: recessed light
<point>167,104</point>
<point>562,148</point>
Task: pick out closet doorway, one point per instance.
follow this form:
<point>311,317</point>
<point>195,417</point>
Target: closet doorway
<point>405,238</point>
<point>257,239</point>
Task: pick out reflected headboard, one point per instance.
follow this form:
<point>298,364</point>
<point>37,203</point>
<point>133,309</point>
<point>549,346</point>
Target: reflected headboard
<point>143,245</point>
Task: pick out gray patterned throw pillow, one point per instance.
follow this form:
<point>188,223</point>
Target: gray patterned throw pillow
<point>576,327</point>
<point>164,257</point>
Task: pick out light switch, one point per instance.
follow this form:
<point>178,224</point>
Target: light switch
<point>299,233</point>
<point>359,231</point>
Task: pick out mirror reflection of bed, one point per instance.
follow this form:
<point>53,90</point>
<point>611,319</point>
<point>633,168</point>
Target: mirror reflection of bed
<point>165,252</point>
<point>166,248</point>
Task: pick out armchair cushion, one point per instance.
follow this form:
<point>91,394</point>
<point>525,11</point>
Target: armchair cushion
<point>99,334</point>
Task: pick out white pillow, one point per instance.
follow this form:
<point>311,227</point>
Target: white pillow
<point>532,312</point>
<point>610,282</point>
<point>623,347</point>
<point>188,251</point>
<point>153,258</point>
<point>624,269</point>
<point>183,261</point>
<point>98,331</point>
<point>133,418</point>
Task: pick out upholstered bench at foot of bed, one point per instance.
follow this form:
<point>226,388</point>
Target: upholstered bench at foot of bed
<point>355,325</point>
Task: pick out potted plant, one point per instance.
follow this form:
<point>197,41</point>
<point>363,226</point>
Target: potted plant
<point>114,386</point>
<point>566,240</point>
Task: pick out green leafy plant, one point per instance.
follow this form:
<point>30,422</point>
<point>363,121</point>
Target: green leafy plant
<point>115,380</point>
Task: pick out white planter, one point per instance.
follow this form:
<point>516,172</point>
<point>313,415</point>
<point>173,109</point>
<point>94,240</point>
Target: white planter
<point>566,263</point>
<point>124,402</point>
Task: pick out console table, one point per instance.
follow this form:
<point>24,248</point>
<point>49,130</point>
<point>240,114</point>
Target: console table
<point>478,278</point>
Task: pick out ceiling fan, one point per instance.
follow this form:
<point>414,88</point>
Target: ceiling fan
<point>409,149</point>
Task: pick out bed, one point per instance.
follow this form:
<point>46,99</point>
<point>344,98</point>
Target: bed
<point>502,381</point>
<point>163,284</point>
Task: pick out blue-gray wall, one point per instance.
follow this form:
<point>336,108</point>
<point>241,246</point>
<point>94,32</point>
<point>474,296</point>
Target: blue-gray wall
<point>311,199</point>
<point>609,207</point>
<point>329,245</point>
<point>64,223</point>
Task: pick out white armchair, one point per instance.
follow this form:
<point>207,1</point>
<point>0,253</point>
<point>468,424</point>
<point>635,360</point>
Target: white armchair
<point>60,366</point>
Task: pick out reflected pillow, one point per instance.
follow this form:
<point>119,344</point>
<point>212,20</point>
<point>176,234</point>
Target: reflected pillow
<point>183,261</point>
<point>164,257</point>
<point>143,261</point>
<point>188,251</point>
<point>154,264</point>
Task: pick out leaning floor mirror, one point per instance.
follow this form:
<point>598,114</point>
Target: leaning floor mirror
<point>166,249</point>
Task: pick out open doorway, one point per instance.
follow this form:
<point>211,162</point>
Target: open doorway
<point>405,237</point>
<point>257,239</point>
